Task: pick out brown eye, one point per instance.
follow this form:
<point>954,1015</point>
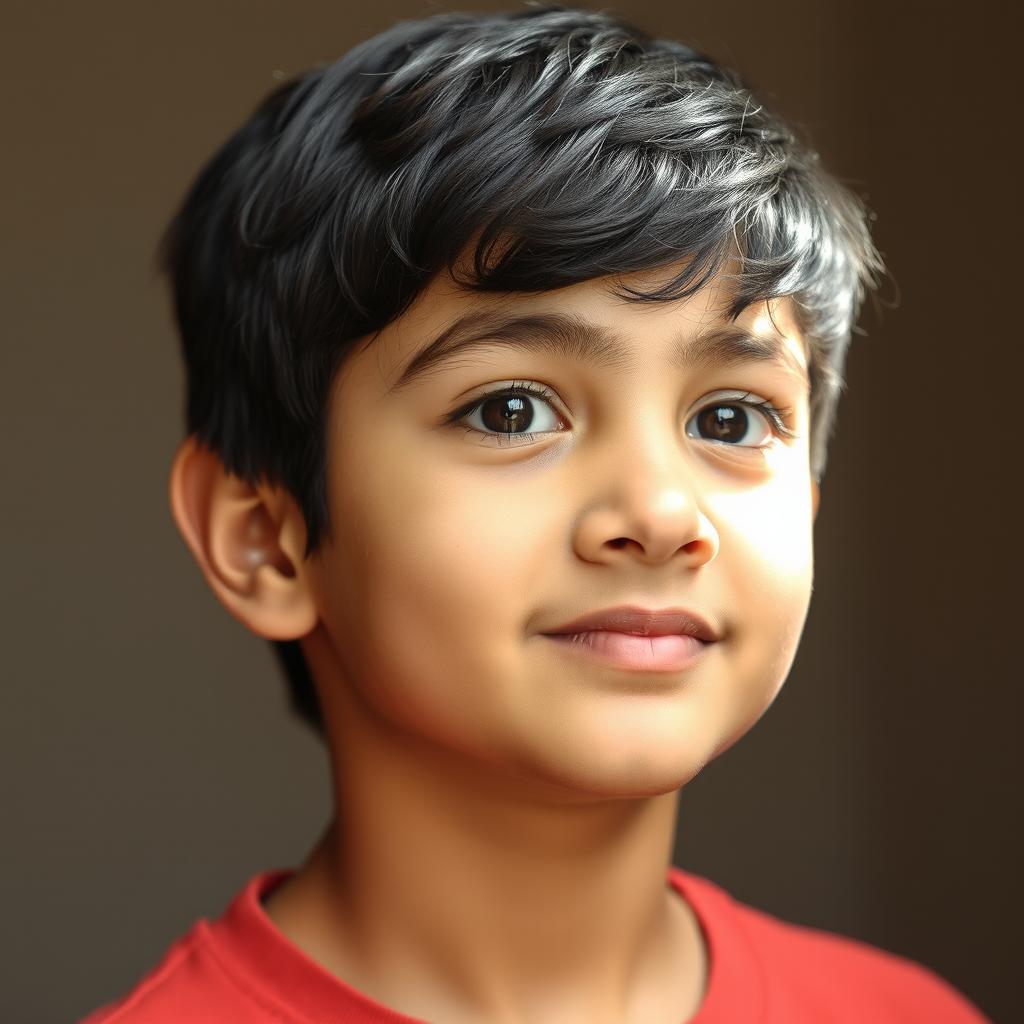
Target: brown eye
<point>510,414</point>
<point>526,410</point>
<point>733,423</point>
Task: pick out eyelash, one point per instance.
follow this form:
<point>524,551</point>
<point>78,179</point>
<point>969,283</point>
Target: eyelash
<point>777,416</point>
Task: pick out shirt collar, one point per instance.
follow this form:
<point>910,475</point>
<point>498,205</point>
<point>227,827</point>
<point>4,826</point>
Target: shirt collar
<point>247,937</point>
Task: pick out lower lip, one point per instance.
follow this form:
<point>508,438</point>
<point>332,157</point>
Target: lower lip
<point>627,650</point>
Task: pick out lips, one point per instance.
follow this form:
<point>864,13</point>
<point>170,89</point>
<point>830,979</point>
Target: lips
<point>640,622</point>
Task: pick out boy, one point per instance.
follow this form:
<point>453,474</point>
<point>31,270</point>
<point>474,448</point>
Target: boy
<point>514,343</point>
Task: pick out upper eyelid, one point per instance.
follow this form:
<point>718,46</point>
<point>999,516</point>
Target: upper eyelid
<point>524,384</point>
<point>520,384</point>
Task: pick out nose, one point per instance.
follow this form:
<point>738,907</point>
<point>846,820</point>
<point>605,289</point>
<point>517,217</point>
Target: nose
<point>651,512</point>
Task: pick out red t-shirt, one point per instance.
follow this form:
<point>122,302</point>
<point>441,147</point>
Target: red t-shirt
<point>240,969</point>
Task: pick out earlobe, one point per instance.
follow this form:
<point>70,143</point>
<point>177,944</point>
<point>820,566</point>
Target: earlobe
<point>247,540</point>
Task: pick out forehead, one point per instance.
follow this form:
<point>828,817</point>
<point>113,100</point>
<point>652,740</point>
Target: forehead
<point>592,322</point>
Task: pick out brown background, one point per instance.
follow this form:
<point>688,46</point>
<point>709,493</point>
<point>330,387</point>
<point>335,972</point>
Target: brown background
<point>149,765</point>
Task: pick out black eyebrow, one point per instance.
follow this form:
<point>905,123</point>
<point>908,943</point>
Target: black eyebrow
<point>574,338</point>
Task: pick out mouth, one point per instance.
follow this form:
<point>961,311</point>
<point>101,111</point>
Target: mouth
<point>635,652</point>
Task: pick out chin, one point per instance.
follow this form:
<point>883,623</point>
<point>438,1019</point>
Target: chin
<point>614,746</point>
<point>601,774</point>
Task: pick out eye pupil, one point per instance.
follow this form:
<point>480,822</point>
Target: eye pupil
<point>516,413</point>
<point>723,422</point>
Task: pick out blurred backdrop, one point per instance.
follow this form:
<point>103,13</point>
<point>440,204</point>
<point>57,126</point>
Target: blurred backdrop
<point>149,763</point>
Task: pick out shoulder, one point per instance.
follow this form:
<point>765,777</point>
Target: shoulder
<point>193,983</point>
<point>810,970</point>
<point>818,965</point>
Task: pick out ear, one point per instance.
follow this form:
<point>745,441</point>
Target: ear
<point>249,543</point>
<point>815,498</point>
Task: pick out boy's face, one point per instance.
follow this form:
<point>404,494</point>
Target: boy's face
<point>454,552</point>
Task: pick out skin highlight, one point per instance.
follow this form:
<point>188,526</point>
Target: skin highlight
<point>504,812</point>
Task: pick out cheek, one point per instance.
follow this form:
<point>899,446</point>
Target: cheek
<point>767,556</point>
<point>442,559</point>
<point>459,545</point>
<point>768,530</point>
<point>770,551</point>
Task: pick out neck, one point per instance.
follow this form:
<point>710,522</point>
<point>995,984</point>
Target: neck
<point>447,888</point>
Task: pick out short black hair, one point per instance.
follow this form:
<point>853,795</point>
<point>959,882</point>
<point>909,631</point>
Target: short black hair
<point>553,145</point>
